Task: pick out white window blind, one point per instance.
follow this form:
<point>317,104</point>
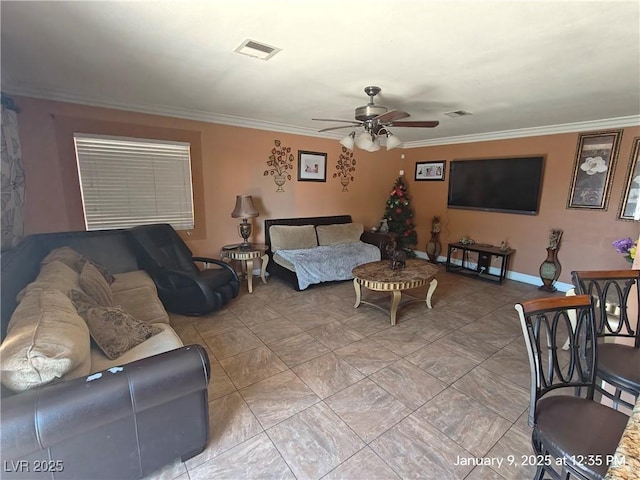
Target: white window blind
<point>131,181</point>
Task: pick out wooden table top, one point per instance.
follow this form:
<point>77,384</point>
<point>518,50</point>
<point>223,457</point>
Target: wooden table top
<point>380,275</point>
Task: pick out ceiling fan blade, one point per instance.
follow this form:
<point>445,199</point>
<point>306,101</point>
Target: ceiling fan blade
<point>390,116</point>
<point>423,124</point>
<point>334,120</point>
<point>337,128</point>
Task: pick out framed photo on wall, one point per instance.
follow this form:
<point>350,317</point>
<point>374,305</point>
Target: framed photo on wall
<point>630,203</point>
<point>595,162</point>
<point>430,170</point>
<point>312,166</point>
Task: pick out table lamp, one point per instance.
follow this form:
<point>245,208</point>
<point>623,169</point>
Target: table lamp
<point>244,209</point>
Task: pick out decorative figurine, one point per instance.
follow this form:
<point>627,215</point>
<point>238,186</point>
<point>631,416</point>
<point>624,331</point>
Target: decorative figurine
<point>384,226</point>
<point>433,245</point>
<point>397,258</point>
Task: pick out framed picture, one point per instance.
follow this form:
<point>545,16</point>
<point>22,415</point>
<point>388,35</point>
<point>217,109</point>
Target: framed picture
<point>312,166</point>
<point>430,170</point>
<point>593,169</point>
<point>630,204</point>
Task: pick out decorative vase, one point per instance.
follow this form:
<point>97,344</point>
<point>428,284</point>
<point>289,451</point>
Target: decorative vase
<point>279,179</point>
<point>434,247</point>
<point>550,270</point>
<point>344,181</point>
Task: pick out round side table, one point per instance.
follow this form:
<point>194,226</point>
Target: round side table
<point>245,255</point>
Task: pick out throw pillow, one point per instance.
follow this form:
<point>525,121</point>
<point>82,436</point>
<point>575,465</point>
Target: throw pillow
<point>66,255</point>
<point>46,340</point>
<point>108,276</point>
<point>94,284</point>
<point>55,275</point>
<point>292,237</point>
<point>339,233</point>
<point>112,328</point>
<point>75,260</point>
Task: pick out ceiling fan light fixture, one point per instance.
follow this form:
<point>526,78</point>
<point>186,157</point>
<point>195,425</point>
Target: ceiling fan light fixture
<point>393,141</point>
<point>375,146</point>
<point>364,141</point>
<point>349,141</point>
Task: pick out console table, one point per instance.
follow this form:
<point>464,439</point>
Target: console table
<point>483,265</point>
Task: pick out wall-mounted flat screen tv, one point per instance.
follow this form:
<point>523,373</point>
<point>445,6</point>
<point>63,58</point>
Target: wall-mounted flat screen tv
<point>509,185</point>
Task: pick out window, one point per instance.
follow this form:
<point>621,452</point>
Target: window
<point>133,181</point>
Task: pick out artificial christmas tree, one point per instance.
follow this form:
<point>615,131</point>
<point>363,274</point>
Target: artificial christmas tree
<point>399,216</point>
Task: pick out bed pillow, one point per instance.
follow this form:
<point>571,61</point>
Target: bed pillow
<point>339,233</point>
<point>292,237</point>
<point>46,340</point>
<point>113,329</point>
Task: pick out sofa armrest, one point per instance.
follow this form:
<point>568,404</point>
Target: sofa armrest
<point>124,422</point>
<point>380,240</point>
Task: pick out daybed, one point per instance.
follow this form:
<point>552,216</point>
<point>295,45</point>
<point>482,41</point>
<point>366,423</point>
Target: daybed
<point>69,410</point>
<point>312,250</point>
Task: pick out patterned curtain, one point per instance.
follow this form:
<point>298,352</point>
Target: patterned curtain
<point>12,191</point>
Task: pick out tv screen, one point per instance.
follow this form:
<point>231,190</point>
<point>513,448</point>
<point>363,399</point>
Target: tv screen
<point>510,185</point>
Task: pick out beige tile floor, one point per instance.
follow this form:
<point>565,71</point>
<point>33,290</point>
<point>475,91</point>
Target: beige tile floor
<point>304,386</point>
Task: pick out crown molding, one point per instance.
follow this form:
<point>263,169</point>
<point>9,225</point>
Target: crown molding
<point>166,111</point>
<point>607,123</point>
<point>198,115</point>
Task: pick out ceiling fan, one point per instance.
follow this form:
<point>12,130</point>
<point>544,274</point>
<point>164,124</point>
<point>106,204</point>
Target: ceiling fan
<point>376,120</point>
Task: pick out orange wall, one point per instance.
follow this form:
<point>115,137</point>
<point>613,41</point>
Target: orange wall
<point>228,161</point>
<point>586,242</point>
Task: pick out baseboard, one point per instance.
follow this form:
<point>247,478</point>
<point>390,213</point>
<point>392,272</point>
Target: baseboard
<point>517,276</point>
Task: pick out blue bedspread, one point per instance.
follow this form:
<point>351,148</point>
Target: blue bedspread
<point>329,263</point>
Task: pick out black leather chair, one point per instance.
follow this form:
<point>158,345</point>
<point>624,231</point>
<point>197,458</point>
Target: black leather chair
<point>572,436</point>
<point>618,364</point>
<point>182,286</point>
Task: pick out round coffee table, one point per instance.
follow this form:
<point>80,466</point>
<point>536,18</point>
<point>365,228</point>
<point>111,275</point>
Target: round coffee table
<point>379,276</point>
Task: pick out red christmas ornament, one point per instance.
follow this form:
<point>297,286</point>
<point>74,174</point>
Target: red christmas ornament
<point>398,210</point>
<point>408,222</point>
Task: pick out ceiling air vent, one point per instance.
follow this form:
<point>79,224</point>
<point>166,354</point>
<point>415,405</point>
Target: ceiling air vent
<point>256,50</point>
<point>458,113</point>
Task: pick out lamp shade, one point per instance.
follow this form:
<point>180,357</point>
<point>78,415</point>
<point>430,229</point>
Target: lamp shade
<point>244,207</point>
<point>349,140</point>
<point>364,141</point>
<point>393,142</point>
<point>374,147</point>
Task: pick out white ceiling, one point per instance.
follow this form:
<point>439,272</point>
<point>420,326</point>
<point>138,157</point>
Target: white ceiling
<point>521,68</point>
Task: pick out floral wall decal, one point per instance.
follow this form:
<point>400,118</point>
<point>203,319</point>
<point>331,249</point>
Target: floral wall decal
<point>346,166</point>
<point>279,165</point>
<point>595,163</point>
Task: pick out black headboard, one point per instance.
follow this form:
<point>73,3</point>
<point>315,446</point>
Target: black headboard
<point>303,221</point>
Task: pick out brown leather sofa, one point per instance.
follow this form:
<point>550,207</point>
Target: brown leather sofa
<point>124,422</point>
